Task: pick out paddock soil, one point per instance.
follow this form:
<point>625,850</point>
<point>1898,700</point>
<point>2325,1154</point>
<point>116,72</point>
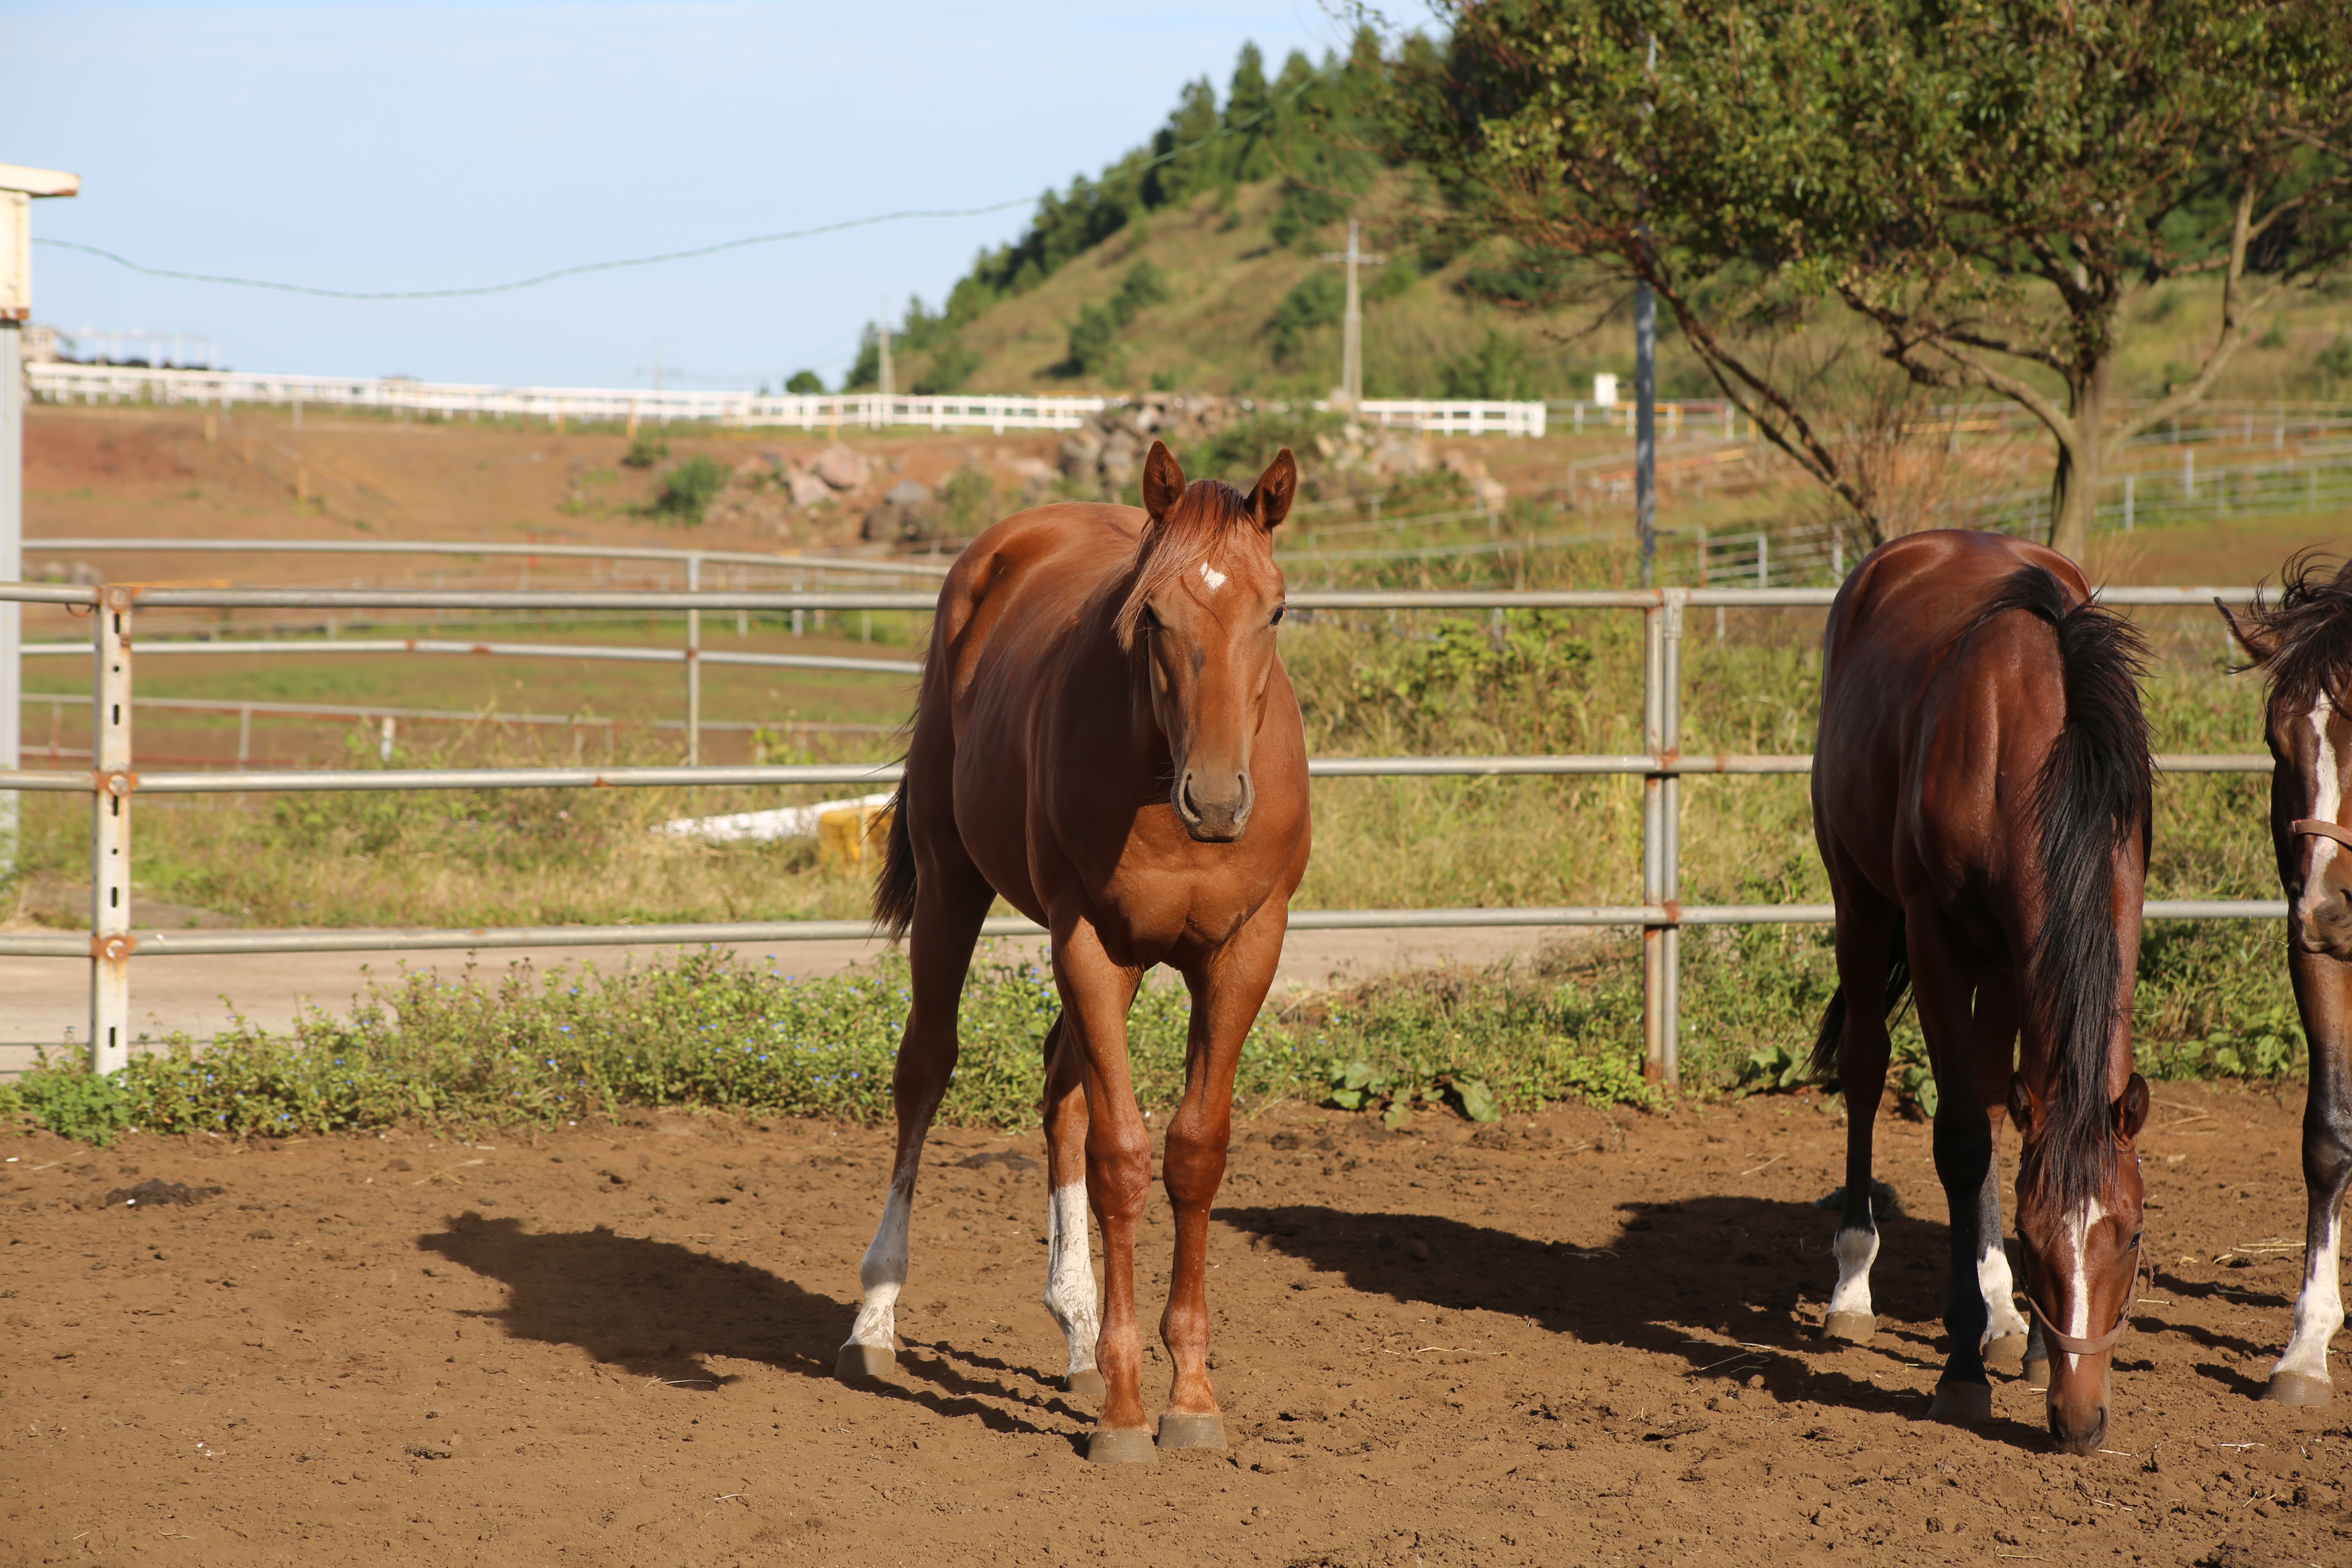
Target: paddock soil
<point>1583,1336</point>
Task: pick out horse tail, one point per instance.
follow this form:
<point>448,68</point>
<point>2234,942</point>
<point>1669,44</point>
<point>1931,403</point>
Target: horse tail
<point>2090,800</point>
<point>1824,1066</point>
<point>894,891</point>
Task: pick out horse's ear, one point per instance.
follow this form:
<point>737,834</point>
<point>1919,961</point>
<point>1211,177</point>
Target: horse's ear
<point>2261,642</point>
<point>2022,1106</point>
<point>1270,498</point>
<point>1163,481</point>
<point>2131,1108</point>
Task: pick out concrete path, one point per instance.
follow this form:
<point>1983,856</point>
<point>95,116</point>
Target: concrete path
<point>47,1000</point>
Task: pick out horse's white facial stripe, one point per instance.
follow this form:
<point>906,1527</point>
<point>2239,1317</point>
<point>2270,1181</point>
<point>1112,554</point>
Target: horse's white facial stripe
<point>1212,576</point>
<point>2318,1311</point>
<point>1856,1251</point>
<point>1069,1274</point>
<point>2078,1272</point>
<point>2327,792</point>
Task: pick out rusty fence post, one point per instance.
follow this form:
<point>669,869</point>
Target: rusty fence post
<point>1670,828</point>
<point>1653,842</point>
<point>111,783</point>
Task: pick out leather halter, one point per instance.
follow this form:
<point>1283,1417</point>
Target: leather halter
<point>2093,1346</point>
<point>2320,828</point>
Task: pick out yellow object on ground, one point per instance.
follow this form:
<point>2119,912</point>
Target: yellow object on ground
<point>842,837</point>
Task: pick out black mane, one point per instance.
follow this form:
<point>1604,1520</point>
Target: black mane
<point>2309,631</point>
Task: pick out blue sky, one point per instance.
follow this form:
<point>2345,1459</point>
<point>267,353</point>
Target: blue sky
<point>422,146</point>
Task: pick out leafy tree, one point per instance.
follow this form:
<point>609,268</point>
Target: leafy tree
<point>1496,369</point>
<point>1989,187</point>
<point>1319,299</point>
<point>1095,348</point>
<point>688,488</point>
<point>805,384</point>
<point>952,362</point>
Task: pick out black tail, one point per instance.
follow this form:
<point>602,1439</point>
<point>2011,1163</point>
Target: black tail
<point>894,891</point>
<point>2092,801</point>
<point>1824,1064</point>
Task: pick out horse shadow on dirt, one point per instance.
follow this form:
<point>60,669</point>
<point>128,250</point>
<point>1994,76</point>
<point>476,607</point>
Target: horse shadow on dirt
<point>655,1309</point>
<point>1733,1267</point>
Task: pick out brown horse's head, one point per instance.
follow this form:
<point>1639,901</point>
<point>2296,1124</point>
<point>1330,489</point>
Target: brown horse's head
<point>2304,644</point>
<point>1199,616</point>
<point>2083,1253</point>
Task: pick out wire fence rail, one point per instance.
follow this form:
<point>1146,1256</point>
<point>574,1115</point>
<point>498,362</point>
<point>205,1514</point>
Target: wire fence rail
<point>113,782</point>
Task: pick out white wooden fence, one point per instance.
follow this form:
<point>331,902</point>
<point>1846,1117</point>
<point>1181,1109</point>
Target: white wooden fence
<point>57,382</point>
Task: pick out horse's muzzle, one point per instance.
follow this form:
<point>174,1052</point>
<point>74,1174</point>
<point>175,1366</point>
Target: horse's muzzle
<point>1214,807</point>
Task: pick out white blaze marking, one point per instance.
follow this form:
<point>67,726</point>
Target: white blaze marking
<point>1856,1251</point>
<point>1993,1280</point>
<point>2078,1242</point>
<point>1212,576</point>
<point>1070,1276</point>
<point>2327,800</point>
<point>2318,1311</point>
<point>884,1271</point>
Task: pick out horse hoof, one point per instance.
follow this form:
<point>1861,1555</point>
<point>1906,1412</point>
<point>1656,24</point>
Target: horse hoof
<point>1182,1429</point>
<point>1121,1445</point>
<point>2005,1354</point>
<point>1085,1383</point>
<point>2297,1388</point>
<point>2037,1372</point>
<point>857,1362</point>
<point>1963,1402</point>
<point>1853,1327</point>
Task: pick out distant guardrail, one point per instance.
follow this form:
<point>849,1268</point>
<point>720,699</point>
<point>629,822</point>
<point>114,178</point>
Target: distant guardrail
<point>57,382</point>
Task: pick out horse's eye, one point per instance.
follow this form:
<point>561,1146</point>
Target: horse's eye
<point>1279,609</point>
<point>1151,619</point>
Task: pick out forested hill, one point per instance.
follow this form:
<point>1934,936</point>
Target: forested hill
<point>1194,262</point>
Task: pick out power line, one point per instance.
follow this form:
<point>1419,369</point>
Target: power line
<point>1169,156</point>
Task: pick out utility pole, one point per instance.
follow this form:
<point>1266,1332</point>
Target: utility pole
<point>1349,392</point>
<point>19,186</point>
<point>1645,426</point>
<point>1645,396</point>
<point>882,325</point>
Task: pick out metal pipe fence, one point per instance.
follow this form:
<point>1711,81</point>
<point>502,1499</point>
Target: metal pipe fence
<point>113,784</point>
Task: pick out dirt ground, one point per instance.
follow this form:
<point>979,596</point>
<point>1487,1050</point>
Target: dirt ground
<point>1582,1337</point>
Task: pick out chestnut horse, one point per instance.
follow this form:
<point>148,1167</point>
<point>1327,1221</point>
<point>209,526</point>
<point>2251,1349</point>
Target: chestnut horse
<point>1980,797</point>
<point>2304,644</point>
<point>1107,738</point>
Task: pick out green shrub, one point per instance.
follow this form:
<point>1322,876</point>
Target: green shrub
<point>951,365</point>
<point>690,488</point>
<point>805,384</point>
<point>74,1103</point>
<point>970,497</point>
<point>1497,368</point>
<point>645,451</point>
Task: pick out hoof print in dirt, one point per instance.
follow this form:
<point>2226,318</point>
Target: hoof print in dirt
<point>156,1193</point>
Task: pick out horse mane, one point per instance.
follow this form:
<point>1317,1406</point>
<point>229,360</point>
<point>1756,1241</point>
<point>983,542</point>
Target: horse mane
<point>2092,798</point>
<point>1208,514</point>
<point>2310,630</point>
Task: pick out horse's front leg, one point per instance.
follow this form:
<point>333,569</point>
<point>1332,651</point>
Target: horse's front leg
<point>1227,991</point>
<point>1069,1268</point>
<point>1096,991</point>
<point>2323,985</point>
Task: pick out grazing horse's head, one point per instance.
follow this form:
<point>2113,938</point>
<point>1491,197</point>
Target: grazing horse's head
<point>2304,644</point>
<point>2084,1250</point>
<point>1199,616</point>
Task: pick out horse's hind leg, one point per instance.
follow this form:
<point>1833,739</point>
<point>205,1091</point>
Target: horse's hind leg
<point>1069,1271</point>
<point>1867,930</point>
<point>2301,1376</point>
<point>948,908</point>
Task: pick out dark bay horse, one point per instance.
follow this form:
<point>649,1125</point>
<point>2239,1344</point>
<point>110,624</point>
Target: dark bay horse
<point>2304,645</point>
<point>1106,736</point>
<point>1980,797</point>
